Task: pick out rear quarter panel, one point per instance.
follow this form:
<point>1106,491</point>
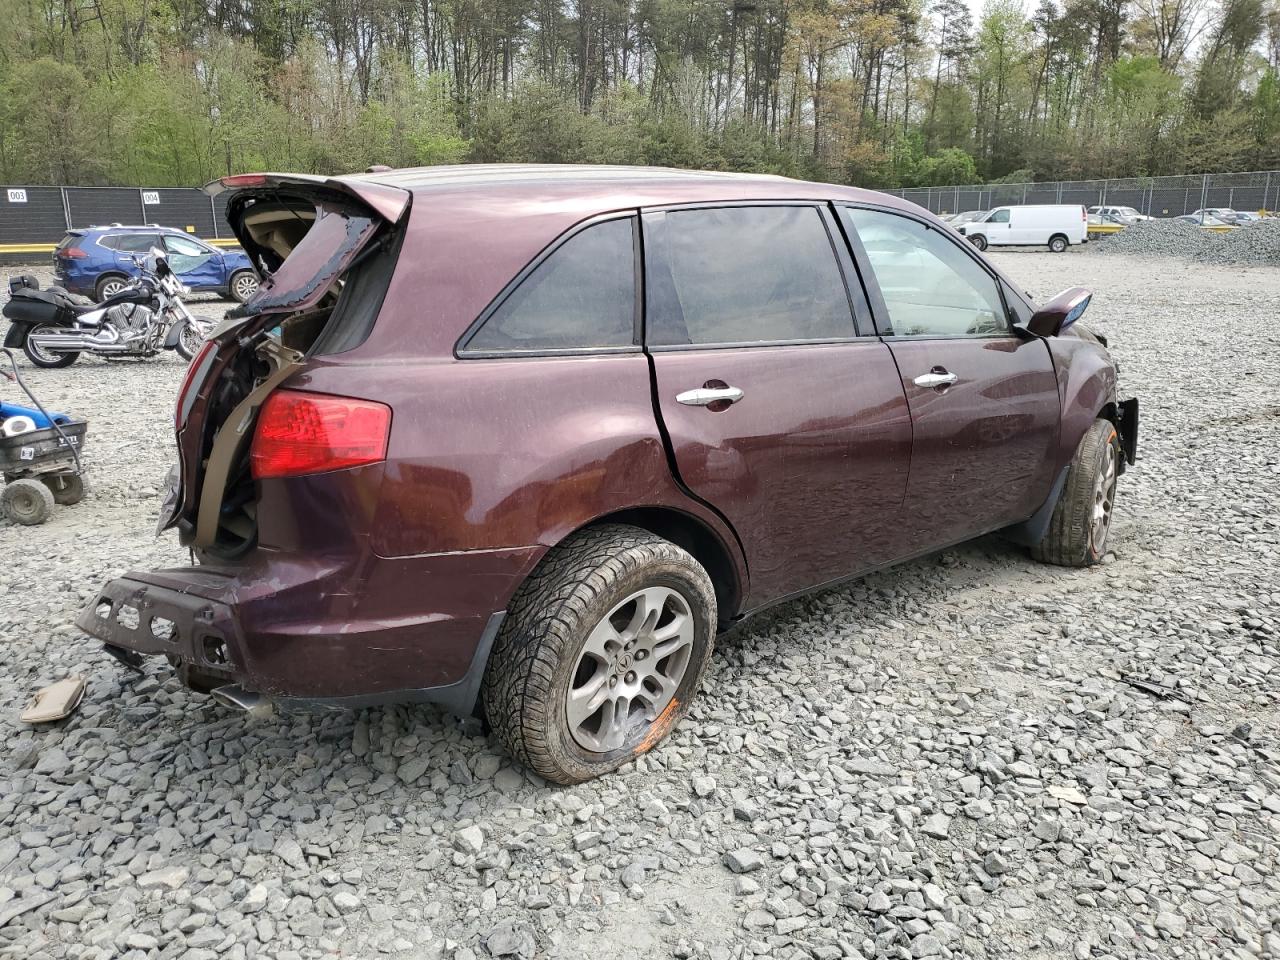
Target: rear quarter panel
<point>490,454</point>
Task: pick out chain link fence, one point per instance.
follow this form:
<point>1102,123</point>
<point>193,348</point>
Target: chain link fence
<point>1155,196</point>
<point>32,218</point>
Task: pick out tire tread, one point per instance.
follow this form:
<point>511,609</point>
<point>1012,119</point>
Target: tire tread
<point>543,627</point>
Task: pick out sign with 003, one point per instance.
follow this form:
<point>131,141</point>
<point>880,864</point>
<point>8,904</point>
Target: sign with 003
<point>17,196</point>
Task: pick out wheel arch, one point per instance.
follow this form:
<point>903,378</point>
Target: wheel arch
<point>699,539</point>
<point>106,275</point>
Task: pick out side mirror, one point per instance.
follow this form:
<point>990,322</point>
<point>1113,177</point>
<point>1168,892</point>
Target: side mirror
<point>1060,312</point>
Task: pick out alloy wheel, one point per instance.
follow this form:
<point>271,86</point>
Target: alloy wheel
<point>246,285</point>
<point>37,352</point>
<point>191,339</point>
<point>630,668</point>
<point>111,288</point>
<point>1104,496</point>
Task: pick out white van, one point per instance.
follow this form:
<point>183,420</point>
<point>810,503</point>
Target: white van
<point>1055,226</point>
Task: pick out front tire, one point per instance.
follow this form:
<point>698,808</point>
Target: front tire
<point>602,650</point>
<point>1058,244</point>
<point>27,502</point>
<point>43,358</point>
<point>1081,522</point>
<point>189,342</point>
<point>979,241</point>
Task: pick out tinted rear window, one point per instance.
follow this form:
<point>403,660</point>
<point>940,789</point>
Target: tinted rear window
<point>581,296</point>
<point>748,275</point>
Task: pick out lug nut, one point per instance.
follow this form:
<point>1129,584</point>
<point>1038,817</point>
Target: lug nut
<point>641,654</point>
<point>631,676</point>
<point>613,682</point>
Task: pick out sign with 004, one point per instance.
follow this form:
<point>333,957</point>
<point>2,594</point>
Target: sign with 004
<point>150,197</point>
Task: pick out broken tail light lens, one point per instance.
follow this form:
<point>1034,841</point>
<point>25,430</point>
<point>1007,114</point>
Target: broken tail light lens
<point>196,371</point>
<point>300,433</point>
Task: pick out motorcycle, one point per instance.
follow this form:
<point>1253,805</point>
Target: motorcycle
<point>53,327</point>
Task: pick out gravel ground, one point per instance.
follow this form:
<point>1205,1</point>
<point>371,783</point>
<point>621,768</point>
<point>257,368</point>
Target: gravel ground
<point>1254,243</point>
<point>969,756</point>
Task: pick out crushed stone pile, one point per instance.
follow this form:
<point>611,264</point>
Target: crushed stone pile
<point>1255,243</point>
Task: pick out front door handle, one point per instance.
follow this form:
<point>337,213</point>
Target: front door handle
<point>705,396</point>
<point>936,378</point>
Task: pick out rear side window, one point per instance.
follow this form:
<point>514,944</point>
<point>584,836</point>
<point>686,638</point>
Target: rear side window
<point>580,296</point>
<point>131,242</point>
<point>747,275</point>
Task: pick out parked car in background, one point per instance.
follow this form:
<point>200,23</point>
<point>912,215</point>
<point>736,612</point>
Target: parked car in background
<point>1222,214</point>
<point>1247,216</point>
<point>1121,215</point>
<point>533,435</point>
<point>1204,220</point>
<point>1056,226</point>
<point>97,262</point>
<point>968,216</point>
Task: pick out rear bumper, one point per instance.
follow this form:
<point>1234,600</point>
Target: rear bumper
<point>404,630</point>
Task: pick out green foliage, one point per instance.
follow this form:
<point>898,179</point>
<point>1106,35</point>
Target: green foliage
<point>884,94</point>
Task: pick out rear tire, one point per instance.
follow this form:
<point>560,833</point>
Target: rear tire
<point>27,502</point>
<point>602,650</point>
<point>1058,244</point>
<point>979,241</point>
<point>49,361</point>
<point>242,286</point>
<point>67,488</point>
<point>1077,535</point>
<point>109,285</point>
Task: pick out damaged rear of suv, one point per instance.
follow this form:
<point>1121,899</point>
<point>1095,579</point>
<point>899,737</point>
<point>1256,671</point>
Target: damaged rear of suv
<point>276,485</point>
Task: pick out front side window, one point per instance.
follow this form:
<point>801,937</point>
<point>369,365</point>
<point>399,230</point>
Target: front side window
<point>1000,216</point>
<point>582,295</point>
<point>930,285</point>
<point>748,275</point>
<point>183,246</point>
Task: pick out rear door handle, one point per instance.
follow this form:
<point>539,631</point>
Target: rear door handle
<point>937,377</point>
<point>704,396</point>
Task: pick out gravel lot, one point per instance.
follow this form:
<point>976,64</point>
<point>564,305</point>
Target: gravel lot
<point>970,756</point>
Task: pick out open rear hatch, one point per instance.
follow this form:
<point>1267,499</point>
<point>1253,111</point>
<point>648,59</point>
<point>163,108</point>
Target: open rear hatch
<point>326,249</point>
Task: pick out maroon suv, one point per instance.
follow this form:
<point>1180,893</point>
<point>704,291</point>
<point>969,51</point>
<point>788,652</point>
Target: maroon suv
<point>525,438</point>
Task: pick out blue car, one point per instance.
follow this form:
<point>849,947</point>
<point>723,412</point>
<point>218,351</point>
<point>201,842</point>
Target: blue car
<point>97,261</point>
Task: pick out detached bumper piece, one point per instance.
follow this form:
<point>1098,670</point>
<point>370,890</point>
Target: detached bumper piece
<point>1129,429</point>
<point>197,635</point>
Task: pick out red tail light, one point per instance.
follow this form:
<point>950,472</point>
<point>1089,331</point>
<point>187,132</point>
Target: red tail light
<point>244,180</point>
<point>300,433</point>
<point>71,253</point>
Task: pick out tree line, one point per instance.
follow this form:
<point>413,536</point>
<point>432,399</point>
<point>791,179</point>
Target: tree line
<point>875,92</point>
